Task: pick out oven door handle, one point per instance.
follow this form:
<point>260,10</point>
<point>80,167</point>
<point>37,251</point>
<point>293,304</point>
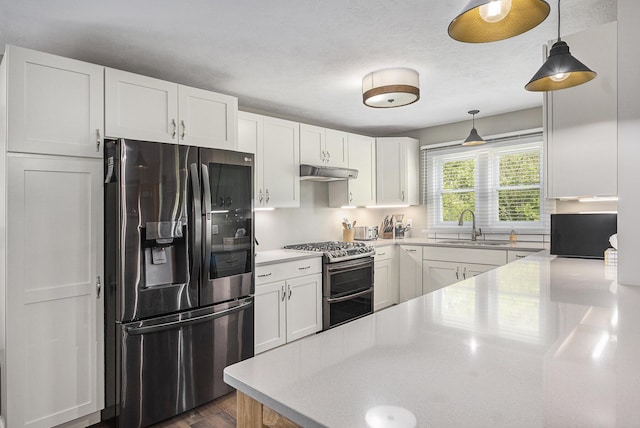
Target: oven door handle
<point>350,296</point>
<point>332,269</point>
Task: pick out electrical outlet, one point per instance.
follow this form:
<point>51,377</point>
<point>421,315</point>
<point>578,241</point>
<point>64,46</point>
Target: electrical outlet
<point>409,223</point>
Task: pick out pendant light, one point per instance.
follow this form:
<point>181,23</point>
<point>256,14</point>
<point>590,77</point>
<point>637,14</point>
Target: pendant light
<point>473,139</point>
<point>561,70</point>
<point>391,87</point>
<point>484,21</point>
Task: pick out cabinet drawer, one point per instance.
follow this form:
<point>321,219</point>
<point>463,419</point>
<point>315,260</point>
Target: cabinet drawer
<point>465,255</point>
<point>286,270</point>
<point>384,253</point>
<point>512,256</point>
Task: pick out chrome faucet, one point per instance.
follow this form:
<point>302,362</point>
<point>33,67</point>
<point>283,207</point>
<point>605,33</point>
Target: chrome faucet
<point>474,233</point>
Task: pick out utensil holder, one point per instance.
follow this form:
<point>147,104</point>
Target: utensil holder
<point>348,234</point>
<point>387,235</point>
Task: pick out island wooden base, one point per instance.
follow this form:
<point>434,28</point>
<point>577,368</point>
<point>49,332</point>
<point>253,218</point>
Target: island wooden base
<point>252,414</point>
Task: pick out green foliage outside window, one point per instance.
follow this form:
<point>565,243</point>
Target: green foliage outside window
<point>458,183</point>
<point>519,187</point>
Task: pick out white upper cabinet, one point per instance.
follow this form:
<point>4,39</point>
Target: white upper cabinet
<point>397,171</point>
<point>207,119</point>
<point>144,108</point>
<point>581,122</point>
<point>54,104</point>
<point>276,144</point>
<point>360,191</point>
<point>320,146</point>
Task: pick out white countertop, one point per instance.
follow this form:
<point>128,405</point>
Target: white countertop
<point>543,341</point>
<point>276,256</point>
<point>506,245</point>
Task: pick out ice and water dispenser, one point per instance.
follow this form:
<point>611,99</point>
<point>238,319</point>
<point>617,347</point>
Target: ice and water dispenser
<point>165,253</point>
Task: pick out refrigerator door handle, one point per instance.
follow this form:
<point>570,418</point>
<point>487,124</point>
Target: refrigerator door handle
<point>195,222</point>
<point>206,198</point>
<point>241,305</point>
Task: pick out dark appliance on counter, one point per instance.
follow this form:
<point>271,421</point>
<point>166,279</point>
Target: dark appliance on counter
<point>347,280</point>
<point>582,235</point>
<point>179,268</point>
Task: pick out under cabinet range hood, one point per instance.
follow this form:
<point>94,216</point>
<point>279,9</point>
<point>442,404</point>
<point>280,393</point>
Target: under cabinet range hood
<point>326,173</point>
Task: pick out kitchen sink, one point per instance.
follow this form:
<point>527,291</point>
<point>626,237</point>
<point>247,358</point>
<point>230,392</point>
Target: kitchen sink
<point>475,243</point>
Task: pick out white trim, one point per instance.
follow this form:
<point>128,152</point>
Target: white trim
<point>523,133</point>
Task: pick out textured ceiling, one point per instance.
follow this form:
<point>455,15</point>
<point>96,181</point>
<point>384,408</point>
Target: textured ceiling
<point>302,59</point>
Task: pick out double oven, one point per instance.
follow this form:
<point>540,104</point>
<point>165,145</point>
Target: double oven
<point>347,280</point>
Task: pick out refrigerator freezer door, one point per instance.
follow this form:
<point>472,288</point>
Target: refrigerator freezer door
<point>175,363</point>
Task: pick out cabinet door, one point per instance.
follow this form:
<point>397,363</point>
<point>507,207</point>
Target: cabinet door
<point>437,274</point>
<point>389,172</point>
<point>54,353</point>
<point>207,119</point>
<point>312,145</point>
<point>410,151</point>
<point>582,122</point>
<point>270,316</point>
<point>249,132</point>
<point>55,104</point>
<point>382,292</point>
<point>281,164</point>
<point>140,107</point>
<point>362,156</point>
<point>410,272</point>
<point>304,306</point>
<point>336,148</point>
<point>470,270</point>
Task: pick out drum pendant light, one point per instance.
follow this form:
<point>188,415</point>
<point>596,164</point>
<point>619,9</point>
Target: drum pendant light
<point>561,70</point>
<point>484,21</point>
<point>392,87</point>
<point>473,139</point>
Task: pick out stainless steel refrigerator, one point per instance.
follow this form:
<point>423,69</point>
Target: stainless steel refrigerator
<point>179,276</point>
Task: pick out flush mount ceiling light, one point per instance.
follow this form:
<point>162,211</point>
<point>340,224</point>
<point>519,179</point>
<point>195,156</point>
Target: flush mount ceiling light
<point>473,139</point>
<point>561,70</point>
<point>392,87</point>
<point>484,21</point>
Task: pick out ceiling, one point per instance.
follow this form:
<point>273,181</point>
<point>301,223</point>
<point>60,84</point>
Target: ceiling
<point>303,59</point>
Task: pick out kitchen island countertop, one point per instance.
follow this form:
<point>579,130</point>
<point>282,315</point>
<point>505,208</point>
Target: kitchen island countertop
<point>543,341</point>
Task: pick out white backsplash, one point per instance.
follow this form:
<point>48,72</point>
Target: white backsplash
<point>315,221</point>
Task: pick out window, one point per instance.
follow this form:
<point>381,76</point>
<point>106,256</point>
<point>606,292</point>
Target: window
<point>501,182</point>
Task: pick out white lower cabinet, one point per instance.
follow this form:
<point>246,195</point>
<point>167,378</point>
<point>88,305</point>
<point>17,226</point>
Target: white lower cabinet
<point>410,272</point>
<point>288,302</point>
<point>385,283</point>
<point>442,266</point>
<point>53,312</point>
<point>438,274</point>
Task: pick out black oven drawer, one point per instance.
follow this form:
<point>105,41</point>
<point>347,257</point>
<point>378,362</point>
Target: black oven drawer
<point>344,309</point>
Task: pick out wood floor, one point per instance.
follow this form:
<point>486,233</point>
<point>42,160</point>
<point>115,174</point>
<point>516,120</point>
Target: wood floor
<point>220,413</point>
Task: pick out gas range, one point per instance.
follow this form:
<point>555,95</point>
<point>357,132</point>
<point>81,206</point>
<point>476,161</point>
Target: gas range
<point>336,251</point>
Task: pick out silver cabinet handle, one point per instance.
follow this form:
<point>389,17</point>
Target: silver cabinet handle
<point>324,156</point>
<point>289,287</point>
<point>98,140</point>
<point>174,128</point>
<point>518,256</point>
<point>305,267</point>
<point>464,273</point>
<point>457,272</point>
<point>260,196</point>
<point>402,196</point>
<point>98,287</point>
<point>411,250</point>
<point>350,196</point>
<point>283,294</point>
<point>382,254</point>
<point>267,193</point>
<point>184,129</point>
<point>264,275</point>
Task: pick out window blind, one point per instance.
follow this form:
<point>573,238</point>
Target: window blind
<point>501,181</point>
